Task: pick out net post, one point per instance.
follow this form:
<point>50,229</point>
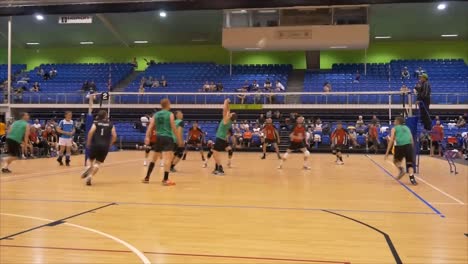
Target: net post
<point>88,125</point>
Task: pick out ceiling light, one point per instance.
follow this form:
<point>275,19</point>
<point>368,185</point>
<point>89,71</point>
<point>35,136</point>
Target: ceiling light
<point>449,35</point>
<point>267,11</point>
<point>140,41</point>
<point>32,43</point>
<point>39,17</point>
<point>338,47</point>
<point>243,11</point>
<point>86,42</point>
<point>162,14</point>
<point>441,6</point>
<point>382,37</point>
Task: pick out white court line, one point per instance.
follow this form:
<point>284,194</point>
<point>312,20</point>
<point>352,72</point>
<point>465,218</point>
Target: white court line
<point>140,255</point>
<point>439,190</point>
<point>32,175</point>
<point>433,187</point>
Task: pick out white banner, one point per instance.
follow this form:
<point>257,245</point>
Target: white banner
<point>75,20</point>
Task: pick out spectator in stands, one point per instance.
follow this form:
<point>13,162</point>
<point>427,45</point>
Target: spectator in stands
<point>254,87</point>
<point>461,122</point>
<point>37,124</point>
<point>352,137</point>
<point>141,89</point>
<point>134,62</point>
<point>261,119</point>
<point>238,137</point>
<point>360,126</point>
<point>279,86</point>
<point>423,90</point>
<point>258,97</point>
<point>212,87</point>
<point>276,115</point>
<point>46,75</point>
<point>148,82</point>
<point>219,87</point>
<point>437,118</point>
<point>418,72</point>
<point>424,141</point>
<point>405,74</point>
<point>244,125</point>
<point>92,86</point>
<point>35,88</point>
<point>53,72</point>
<point>327,87</point>
<point>375,120</point>
<point>437,135</point>
<point>357,77</point>
<point>206,87</point>
<point>50,137</point>
<point>318,125</point>
<point>3,130</point>
<point>85,86</point>
<point>144,120</point>
<point>163,81</point>
<point>404,89</point>
<point>155,83</point>
<point>40,72</point>
<point>267,85</point>
<point>18,95</point>
<point>247,137</point>
<point>242,97</point>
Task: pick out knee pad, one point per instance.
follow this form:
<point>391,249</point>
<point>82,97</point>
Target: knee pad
<point>147,149</point>
<point>334,152</point>
<point>306,153</point>
<point>230,153</point>
<point>96,165</point>
<point>210,153</point>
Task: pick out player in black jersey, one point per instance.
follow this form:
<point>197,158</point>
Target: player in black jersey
<point>100,137</point>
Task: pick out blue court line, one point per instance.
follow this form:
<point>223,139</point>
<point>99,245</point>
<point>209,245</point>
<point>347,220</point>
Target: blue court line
<point>225,206</point>
<point>407,188</point>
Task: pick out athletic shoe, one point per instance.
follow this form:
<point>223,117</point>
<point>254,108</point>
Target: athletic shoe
<point>306,167</point>
<point>205,165</point>
<point>264,156</point>
<point>219,173</point>
<point>145,180</point>
<point>60,161</point>
<point>168,183</point>
<point>6,170</point>
<point>173,170</point>
<point>339,162</point>
<point>214,172</point>
<point>401,174</point>
<point>413,180</point>
<point>280,166</point>
<point>86,173</point>
<point>145,163</point>
<point>67,162</point>
<point>88,181</point>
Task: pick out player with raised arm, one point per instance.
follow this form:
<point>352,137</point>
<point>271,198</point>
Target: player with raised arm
<point>66,129</point>
<point>221,143</point>
<point>297,138</point>
<point>164,123</point>
<point>17,134</point>
<point>101,137</point>
<point>271,136</point>
<point>179,146</point>
<point>404,148</point>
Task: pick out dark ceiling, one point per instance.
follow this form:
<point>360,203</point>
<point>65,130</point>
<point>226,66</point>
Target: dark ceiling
<point>27,7</point>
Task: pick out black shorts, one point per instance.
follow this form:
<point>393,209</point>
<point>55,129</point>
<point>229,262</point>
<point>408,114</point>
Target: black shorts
<point>13,148</point>
<point>296,145</point>
<point>98,152</point>
<point>164,144</point>
<point>435,144</point>
<point>194,142</point>
<point>404,151</point>
<point>220,144</point>
<point>270,141</point>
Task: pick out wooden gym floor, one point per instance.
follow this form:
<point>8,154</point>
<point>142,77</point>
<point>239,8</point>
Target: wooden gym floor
<point>356,213</point>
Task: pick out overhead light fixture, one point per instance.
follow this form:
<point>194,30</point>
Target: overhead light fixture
<point>162,14</point>
<point>267,11</point>
<point>140,41</point>
<point>86,43</point>
<point>39,17</point>
<point>32,43</point>
<point>243,11</point>
<point>252,48</point>
<point>441,6</point>
<point>338,47</point>
<point>382,37</point>
<point>449,35</point>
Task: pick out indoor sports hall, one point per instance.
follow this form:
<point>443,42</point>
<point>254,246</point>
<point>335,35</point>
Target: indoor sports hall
<point>233,132</point>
